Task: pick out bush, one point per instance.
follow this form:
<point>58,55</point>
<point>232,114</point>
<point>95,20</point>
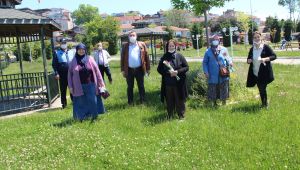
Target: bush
<point>197,88</point>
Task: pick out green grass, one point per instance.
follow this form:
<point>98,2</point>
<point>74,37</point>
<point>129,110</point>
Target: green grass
<point>236,136</point>
<point>238,51</point>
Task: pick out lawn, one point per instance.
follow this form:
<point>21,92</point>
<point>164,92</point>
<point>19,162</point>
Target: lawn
<point>238,51</point>
<point>236,136</point>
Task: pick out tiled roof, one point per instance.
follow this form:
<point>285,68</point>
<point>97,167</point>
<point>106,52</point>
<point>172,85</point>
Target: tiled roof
<point>146,31</point>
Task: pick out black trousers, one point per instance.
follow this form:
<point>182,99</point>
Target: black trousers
<point>138,74</point>
<point>263,93</point>
<point>174,102</point>
<point>105,70</point>
<point>63,84</point>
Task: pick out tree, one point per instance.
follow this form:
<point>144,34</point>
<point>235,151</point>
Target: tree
<point>291,5</point>
<point>298,27</point>
<point>85,14</point>
<point>250,33</point>
<point>197,29</point>
<point>268,24</point>
<point>170,33</point>
<point>244,20</point>
<point>288,26</point>
<point>275,31</point>
<point>178,18</point>
<point>199,7</point>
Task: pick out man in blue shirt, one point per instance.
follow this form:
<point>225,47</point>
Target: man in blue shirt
<point>60,64</point>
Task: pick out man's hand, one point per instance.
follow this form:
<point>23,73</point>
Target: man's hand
<point>57,77</point>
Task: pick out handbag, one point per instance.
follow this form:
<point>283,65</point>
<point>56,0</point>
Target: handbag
<point>224,70</point>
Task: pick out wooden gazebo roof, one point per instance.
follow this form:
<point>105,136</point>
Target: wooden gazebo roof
<point>15,23</point>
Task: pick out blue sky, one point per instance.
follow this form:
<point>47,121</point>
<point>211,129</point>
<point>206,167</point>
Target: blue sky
<point>260,8</point>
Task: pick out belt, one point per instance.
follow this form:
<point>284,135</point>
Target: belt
<point>134,69</point>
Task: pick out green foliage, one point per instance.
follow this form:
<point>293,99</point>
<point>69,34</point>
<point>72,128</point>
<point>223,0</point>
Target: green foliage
<point>290,4</point>
<point>298,27</point>
<point>85,14</point>
<point>175,17</point>
<point>250,33</point>
<point>197,88</point>
<point>268,24</point>
<point>288,26</point>
<point>170,35</point>
<point>197,29</point>
<point>275,38</point>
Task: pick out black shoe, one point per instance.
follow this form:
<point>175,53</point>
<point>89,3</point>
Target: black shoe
<point>64,106</point>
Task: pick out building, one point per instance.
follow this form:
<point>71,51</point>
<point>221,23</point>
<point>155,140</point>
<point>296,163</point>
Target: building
<point>9,3</point>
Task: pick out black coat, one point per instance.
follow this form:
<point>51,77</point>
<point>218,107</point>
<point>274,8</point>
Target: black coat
<point>265,73</point>
<point>181,65</point>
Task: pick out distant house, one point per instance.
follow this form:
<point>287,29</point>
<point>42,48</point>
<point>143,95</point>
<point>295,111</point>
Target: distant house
<point>128,19</point>
<point>126,27</point>
<point>177,32</point>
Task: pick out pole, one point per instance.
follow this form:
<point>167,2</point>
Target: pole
<point>231,44</point>
<point>43,48</point>
<point>197,38</point>
<point>206,29</point>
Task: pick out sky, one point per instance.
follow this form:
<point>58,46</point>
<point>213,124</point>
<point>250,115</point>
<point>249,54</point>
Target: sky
<point>260,8</point>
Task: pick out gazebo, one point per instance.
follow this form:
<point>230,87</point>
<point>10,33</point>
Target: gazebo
<point>23,91</point>
<point>151,33</point>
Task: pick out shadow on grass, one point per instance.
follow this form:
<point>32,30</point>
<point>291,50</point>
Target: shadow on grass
<point>155,119</point>
<point>64,123</point>
<point>247,108</point>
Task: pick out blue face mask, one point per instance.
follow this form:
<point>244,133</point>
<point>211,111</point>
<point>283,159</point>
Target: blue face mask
<point>215,42</point>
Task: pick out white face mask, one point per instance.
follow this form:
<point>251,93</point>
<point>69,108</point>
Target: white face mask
<point>215,42</point>
<point>256,42</point>
<point>171,50</point>
<point>64,46</point>
<point>100,48</point>
<point>132,40</point>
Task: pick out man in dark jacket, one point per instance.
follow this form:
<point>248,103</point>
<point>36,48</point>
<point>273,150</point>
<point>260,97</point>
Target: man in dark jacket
<point>60,64</point>
<point>135,64</point>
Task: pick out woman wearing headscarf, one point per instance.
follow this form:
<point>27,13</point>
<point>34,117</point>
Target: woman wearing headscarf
<point>260,69</point>
<point>216,57</point>
<point>173,67</point>
<point>85,82</point>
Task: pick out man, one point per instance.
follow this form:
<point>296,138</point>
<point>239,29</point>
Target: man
<point>134,64</point>
<point>60,64</point>
<point>101,57</point>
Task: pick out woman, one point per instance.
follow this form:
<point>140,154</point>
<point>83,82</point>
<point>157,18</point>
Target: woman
<point>173,67</point>
<point>260,69</point>
<point>216,57</point>
<point>101,57</point>
<point>85,82</point>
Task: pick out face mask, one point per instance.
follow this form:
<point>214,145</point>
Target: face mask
<point>99,48</point>
<point>132,40</point>
<point>256,42</point>
<point>215,42</point>
<point>64,46</point>
<point>172,50</point>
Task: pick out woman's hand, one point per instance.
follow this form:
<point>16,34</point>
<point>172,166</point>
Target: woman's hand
<point>206,75</point>
<point>173,73</point>
<point>249,61</point>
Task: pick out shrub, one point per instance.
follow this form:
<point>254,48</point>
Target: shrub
<point>197,88</point>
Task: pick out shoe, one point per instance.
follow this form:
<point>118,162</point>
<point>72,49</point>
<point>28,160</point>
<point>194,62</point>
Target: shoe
<point>110,81</point>
<point>64,106</point>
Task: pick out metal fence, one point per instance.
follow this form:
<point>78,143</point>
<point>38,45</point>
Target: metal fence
<point>27,91</point>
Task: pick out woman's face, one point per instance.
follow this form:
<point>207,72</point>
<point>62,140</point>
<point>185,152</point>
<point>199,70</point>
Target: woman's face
<point>81,52</point>
<point>256,38</point>
<point>171,46</point>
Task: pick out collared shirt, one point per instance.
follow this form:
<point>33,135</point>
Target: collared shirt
<point>64,56</point>
<point>134,56</point>
<point>257,58</point>
<point>101,57</point>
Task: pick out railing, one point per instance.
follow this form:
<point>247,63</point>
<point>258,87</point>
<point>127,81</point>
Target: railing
<point>27,91</point>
